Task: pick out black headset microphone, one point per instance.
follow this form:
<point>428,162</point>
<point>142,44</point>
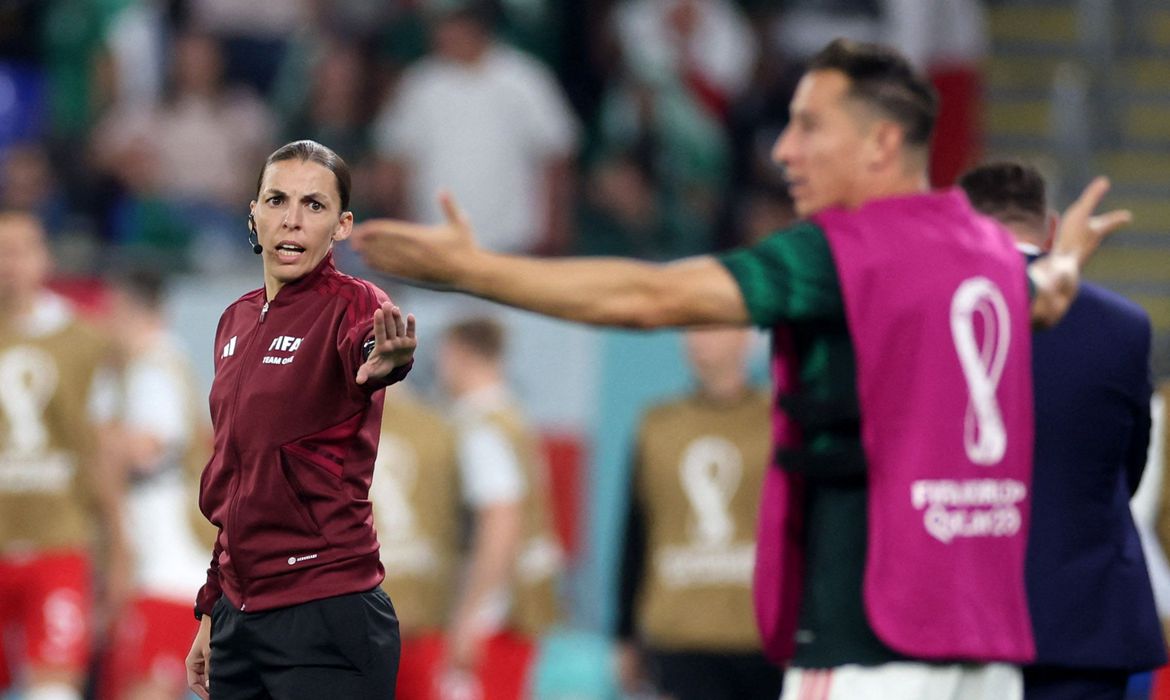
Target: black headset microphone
<point>252,235</point>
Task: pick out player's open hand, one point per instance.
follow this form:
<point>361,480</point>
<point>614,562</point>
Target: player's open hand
<point>1081,231</point>
<point>394,343</point>
<point>438,254</point>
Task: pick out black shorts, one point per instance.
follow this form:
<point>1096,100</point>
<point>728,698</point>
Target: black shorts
<point>341,647</point>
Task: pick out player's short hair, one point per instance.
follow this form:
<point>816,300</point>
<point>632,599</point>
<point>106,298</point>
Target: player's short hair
<point>484,337</point>
<point>306,150</point>
<point>884,79</point>
<point>1007,191</point>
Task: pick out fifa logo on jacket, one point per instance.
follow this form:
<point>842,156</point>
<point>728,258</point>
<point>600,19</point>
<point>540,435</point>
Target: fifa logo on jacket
<point>282,343</point>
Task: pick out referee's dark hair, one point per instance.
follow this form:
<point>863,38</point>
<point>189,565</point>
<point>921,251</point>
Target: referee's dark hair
<point>484,337</point>
<point>306,150</point>
<point>884,79</point>
<point>1007,191</point>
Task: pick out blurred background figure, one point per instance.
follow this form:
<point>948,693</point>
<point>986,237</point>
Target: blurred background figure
<point>60,506</point>
<point>946,39</point>
<point>686,625</point>
<point>507,595</point>
<point>27,183</point>
<point>179,167</point>
<point>488,123</point>
<point>679,65</point>
<point>420,524</point>
<point>162,443</point>
<point>1089,594</point>
<point>255,36</point>
<point>1151,513</point>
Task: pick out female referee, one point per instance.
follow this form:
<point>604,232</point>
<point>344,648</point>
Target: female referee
<point>292,608</point>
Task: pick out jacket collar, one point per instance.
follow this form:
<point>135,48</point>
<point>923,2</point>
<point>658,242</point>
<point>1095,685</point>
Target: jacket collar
<point>297,288</point>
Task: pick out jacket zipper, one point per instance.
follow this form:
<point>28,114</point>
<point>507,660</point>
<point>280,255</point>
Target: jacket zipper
<point>234,507</point>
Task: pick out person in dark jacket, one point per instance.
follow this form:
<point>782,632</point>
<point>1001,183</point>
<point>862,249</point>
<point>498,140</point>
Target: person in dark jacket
<point>292,606</point>
<point>1089,591</point>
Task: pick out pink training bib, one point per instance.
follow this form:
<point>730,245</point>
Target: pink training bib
<point>937,307</point>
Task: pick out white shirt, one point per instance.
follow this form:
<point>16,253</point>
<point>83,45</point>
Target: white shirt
<point>489,467</point>
<point>723,46</point>
<point>486,133</point>
<point>170,562</point>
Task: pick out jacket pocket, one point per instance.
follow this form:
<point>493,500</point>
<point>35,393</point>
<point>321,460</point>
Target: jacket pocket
<point>319,488</point>
<point>276,532</point>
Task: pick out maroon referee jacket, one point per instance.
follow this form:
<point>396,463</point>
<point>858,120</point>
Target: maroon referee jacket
<point>295,441</point>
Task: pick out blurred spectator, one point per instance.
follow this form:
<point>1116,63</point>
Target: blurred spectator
<point>947,39</point>
<point>56,492</point>
<point>137,44</point>
<point>77,65</point>
<point>620,213</point>
<point>755,121</point>
<point>508,593</point>
<point>804,27</point>
<point>766,210</point>
<point>415,493</point>
<point>683,63</point>
<point>335,109</point>
<point>194,152</point>
<point>703,46</point>
<point>491,125</point>
<point>163,442</point>
<point>255,35</point>
<point>27,183</point>
<point>690,535</point>
<point>1151,511</point>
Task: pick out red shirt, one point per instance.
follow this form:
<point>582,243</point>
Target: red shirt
<point>295,440</point>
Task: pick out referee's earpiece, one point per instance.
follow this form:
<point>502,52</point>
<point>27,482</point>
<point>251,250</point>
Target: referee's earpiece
<point>252,237</point>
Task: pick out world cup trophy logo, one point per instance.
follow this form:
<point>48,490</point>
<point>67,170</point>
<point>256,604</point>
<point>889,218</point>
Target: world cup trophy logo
<point>981,329</point>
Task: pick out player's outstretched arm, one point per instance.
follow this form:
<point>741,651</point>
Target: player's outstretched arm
<point>1057,275</point>
<point>600,291</point>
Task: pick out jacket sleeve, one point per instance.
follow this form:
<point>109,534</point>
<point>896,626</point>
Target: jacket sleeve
<point>210,591</point>
<point>1140,437</point>
<point>358,327</point>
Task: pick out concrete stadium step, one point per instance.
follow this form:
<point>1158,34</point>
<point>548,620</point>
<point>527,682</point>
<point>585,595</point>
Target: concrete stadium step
<point>1005,72</point>
<point>1146,74</point>
<point>1120,264</point>
<point>1021,117</point>
<point>1157,27</point>
<point>1140,169</point>
<point>1034,25</point>
<point>1147,122</point>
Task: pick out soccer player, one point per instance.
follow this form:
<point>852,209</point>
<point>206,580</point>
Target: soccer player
<point>690,538</point>
<point>892,534</point>
<point>415,493</point>
<point>55,489</point>
<point>507,595</point>
<point>161,447</point>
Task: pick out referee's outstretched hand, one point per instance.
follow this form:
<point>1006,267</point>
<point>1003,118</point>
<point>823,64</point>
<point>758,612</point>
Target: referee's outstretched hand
<point>439,255</point>
<point>394,343</point>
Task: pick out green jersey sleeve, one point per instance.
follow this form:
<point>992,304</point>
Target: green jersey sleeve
<point>788,276</point>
